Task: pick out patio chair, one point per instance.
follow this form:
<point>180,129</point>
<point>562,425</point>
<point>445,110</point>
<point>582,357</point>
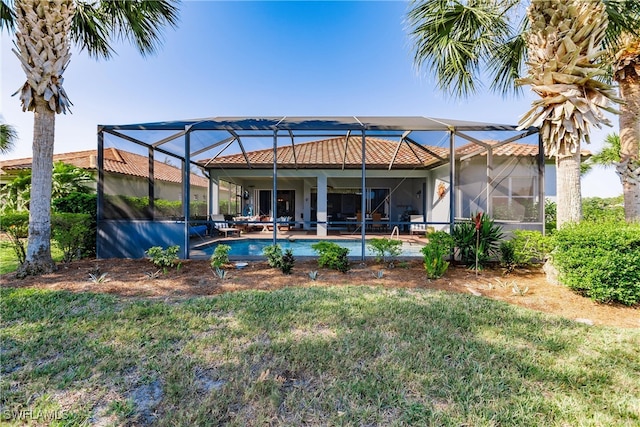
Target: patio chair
<point>376,219</point>
<point>417,228</point>
<point>221,225</point>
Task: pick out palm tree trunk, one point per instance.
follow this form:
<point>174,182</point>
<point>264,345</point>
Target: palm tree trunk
<point>630,145</point>
<point>39,259</point>
<point>568,187</point>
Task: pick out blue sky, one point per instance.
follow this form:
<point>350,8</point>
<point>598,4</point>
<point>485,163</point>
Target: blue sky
<point>264,59</point>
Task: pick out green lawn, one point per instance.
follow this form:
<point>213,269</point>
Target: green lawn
<point>9,261</point>
<point>315,356</point>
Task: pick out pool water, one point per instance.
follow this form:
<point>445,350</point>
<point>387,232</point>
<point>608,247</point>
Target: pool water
<point>302,247</point>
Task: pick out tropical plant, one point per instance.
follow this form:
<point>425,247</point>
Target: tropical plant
<point>609,155</point>
<point>274,255</point>
<point>43,33</point>
<point>15,225</point>
<point>566,67</point>
<point>626,72</point>
<point>220,256</point>
<point>8,137</point>
<point>434,253</point>
<point>476,245</point>
<point>287,261</point>
<point>67,179</point>
<point>332,255</point>
<point>164,258</point>
<point>463,41</point>
<point>69,230</point>
<point>16,194</point>
<point>385,249</point>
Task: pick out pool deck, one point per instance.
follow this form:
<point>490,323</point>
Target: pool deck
<point>334,235</point>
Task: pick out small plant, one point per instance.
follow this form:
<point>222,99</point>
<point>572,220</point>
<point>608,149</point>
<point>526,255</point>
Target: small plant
<point>517,290</point>
<point>385,250</point>
<point>69,230</point>
<point>507,256</point>
<point>332,255</point>
<point>287,261</point>
<point>439,246</point>
<point>313,275</point>
<point>96,279</point>
<point>221,273</point>
<point>16,228</point>
<point>378,274</point>
<point>503,284</point>
<point>274,255</point>
<point>220,256</point>
<point>164,258</point>
<point>153,275</point>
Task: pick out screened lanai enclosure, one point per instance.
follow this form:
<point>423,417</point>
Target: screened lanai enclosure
<point>193,182</point>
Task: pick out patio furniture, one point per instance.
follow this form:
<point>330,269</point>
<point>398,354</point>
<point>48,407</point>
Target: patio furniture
<point>221,225</point>
<point>416,227</point>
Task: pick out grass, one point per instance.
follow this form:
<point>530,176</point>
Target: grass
<point>9,261</point>
<point>316,356</point>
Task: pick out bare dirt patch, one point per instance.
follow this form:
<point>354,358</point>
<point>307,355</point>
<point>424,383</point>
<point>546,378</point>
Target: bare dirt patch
<point>128,278</point>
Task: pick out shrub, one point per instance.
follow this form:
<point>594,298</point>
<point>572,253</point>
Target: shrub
<point>529,247</point>
<point>507,255</point>
<point>550,216</point>
<point>332,255</point>
<point>601,261</point>
<point>274,255</point>
<point>596,209</point>
<point>220,256</point>
<point>439,246</point>
<point>16,227</point>
<point>164,258</point>
<point>81,203</point>
<point>467,242</point>
<point>70,231</point>
<point>287,261</point>
<point>385,250</point>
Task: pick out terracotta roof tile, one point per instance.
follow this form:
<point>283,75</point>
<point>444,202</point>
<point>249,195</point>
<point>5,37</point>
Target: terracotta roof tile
<point>115,161</point>
<point>330,153</point>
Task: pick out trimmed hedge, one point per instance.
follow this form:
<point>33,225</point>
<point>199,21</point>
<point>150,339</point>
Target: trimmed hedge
<point>601,261</point>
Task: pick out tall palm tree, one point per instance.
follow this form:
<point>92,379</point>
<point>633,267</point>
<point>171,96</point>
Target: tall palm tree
<point>8,137</point>
<point>460,40</point>
<point>44,32</point>
<point>565,68</point>
<point>626,72</point>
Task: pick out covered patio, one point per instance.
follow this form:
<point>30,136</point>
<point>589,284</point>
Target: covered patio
<point>357,175</point>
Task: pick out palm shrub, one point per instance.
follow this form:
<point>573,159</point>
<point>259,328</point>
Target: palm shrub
<point>601,261</point>
<point>484,244</point>
<point>287,261</point>
<point>385,250</point>
<point>332,255</point>
<point>434,252</point>
<point>507,255</point>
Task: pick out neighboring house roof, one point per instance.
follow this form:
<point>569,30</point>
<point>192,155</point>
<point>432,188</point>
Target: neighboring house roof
<point>331,154</point>
<point>115,161</point>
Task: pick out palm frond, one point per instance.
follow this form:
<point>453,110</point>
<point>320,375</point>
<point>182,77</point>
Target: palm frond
<point>624,16</point>
<point>453,40</point>
<point>7,16</point>
<point>8,137</point>
<point>90,32</point>
<point>507,63</point>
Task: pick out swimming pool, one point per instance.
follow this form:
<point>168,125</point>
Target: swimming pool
<point>299,247</point>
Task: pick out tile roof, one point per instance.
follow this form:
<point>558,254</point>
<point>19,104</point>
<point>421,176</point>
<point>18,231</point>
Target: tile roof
<point>509,149</point>
<point>330,154</point>
<point>115,161</point>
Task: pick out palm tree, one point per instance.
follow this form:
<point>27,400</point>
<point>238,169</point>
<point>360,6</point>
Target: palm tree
<point>460,40</point>
<point>608,156</point>
<point>44,32</point>
<point>8,137</point>
<point>626,72</point>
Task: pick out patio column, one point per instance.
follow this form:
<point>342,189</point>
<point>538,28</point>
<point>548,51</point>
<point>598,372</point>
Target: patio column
<point>321,229</point>
<point>186,192</point>
<point>306,211</point>
<point>214,197</point>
